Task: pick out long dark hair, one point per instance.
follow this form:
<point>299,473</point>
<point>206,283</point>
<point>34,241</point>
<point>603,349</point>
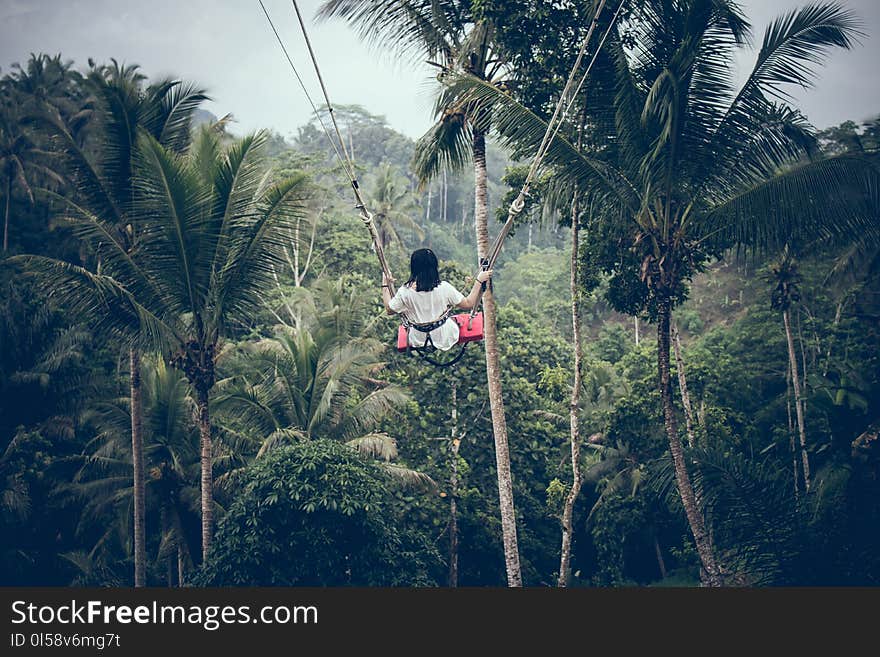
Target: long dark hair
<point>423,270</point>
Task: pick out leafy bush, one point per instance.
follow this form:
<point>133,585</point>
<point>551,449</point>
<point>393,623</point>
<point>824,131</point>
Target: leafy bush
<point>315,514</point>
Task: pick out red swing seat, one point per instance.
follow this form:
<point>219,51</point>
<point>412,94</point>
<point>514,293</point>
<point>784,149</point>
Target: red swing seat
<point>468,331</point>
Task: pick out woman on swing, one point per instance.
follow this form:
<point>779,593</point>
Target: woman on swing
<point>424,299</point>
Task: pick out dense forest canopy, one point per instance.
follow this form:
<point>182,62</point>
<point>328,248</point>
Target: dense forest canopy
<point>192,335</point>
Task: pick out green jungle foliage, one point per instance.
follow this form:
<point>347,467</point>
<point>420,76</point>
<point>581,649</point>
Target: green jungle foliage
<point>335,459</point>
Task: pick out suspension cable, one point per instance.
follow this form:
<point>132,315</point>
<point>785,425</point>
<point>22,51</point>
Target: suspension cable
<point>343,157</point>
<point>563,105</point>
<point>366,216</point>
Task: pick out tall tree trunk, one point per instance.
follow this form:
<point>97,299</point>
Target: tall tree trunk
<point>444,203</point>
<point>137,461</point>
<point>493,371</point>
<point>295,267</point>
<point>791,438</point>
<point>428,208</point>
<point>798,407</point>
<point>685,488</point>
<point>169,557</point>
<point>636,323</point>
<point>181,564</point>
<point>6,214</point>
<point>683,386</point>
<point>573,409</point>
<point>805,380</point>
<point>453,492</point>
<point>660,562</point>
<point>453,516</point>
<point>207,465</point>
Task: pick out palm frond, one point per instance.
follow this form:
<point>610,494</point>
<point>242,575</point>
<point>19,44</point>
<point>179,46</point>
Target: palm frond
<point>759,528</point>
<point>522,130</point>
<point>412,29</point>
<point>280,437</point>
<point>408,478</point>
<point>170,206</point>
<point>113,310</point>
<point>830,199</point>
<point>796,43</point>
<point>447,146</point>
<point>257,237</point>
<point>375,445</point>
<point>173,105</point>
<point>793,48</point>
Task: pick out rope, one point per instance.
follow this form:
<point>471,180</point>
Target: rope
<point>563,105</point>
<point>350,170</point>
<point>589,69</point>
<point>557,112</point>
<point>366,216</point>
<point>302,84</point>
<point>343,157</point>
<point>566,100</point>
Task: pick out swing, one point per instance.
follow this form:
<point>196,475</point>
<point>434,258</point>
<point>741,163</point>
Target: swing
<point>470,324</point>
<point>470,329</point>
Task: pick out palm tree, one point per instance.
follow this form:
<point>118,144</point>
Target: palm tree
<point>691,165</point>
<point>210,227</point>
<point>49,79</point>
<point>21,160</point>
<point>24,161</point>
<point>392,205</point>
<point>103,177</point>
<point>454,37</point>
<point>785,294</point>
<point>762,531</point>
<point>317,380</point>
<point>171,462</point>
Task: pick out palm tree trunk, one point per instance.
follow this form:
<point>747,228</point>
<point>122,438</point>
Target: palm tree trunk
<point>791,439</point>
<point>453,492</point>
<point>805,380</point>
<point>685,488</point>
<point>445,202</point>
<point>660,562</point>
<point>169,556</point>
<point>683,386</point>
<point>798,406</point>
<point>207,465</point>
<point>180,564</point>
<point>137,460</point>
<point>296,279</point>
<point>453,516</point>
<point>493,371</point>
<point>428,208</point>
<point>573,411</point>
<point>6,214</point>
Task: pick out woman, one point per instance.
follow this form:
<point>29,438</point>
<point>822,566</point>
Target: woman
<point>424,298</point>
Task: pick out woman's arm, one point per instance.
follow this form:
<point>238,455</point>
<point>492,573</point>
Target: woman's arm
<point>471,300</point>
<point>386,294</point>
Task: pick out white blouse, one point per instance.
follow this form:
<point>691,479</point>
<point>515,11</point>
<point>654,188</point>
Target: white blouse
<point>426,307</point>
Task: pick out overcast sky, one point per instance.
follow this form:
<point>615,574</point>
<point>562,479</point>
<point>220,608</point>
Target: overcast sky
<point>227,47</point>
